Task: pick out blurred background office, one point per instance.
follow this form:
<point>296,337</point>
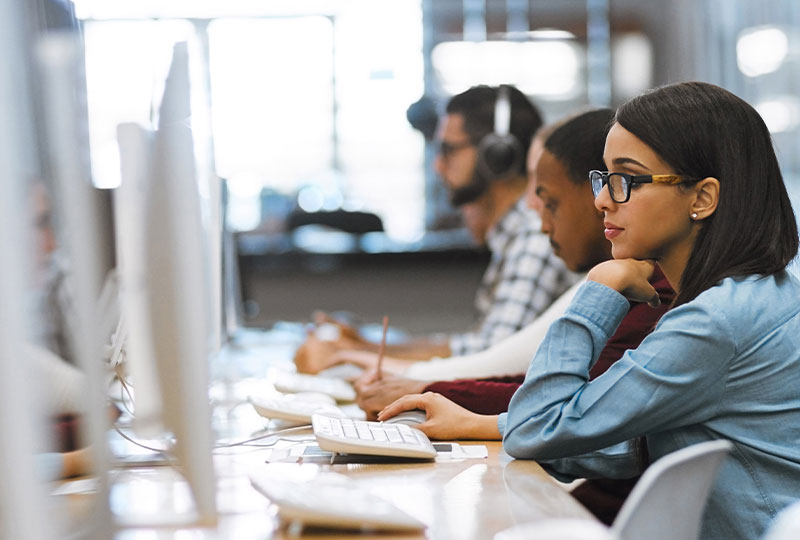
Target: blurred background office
<point>320,116</point>
<point>306,108</point>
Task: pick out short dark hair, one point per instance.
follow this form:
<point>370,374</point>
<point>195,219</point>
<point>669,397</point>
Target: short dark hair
<point>579,141</point>
<point>701,131</point>
<point>476,105</point>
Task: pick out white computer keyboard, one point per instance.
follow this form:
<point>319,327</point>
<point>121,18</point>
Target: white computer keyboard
<point>340,504</point>
<point>338,389</point>
<point>296,408</point>
<point>347,436</point>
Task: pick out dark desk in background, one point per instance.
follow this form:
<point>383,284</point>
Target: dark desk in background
<point>425,286</point>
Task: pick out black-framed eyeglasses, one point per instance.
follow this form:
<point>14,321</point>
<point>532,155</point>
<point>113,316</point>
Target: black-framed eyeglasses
<point>619,184</point>
<point>447,149</point>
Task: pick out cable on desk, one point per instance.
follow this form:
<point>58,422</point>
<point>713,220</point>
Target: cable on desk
<point>166,453</point>
<point>266,435</point>
<point>125,388</point>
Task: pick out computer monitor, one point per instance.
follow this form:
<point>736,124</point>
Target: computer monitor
<point>166,289</point>
<point>232,302</point>
<point>58,59</point>
<point>21,496</point>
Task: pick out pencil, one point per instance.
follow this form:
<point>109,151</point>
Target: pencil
<point>382,347</point>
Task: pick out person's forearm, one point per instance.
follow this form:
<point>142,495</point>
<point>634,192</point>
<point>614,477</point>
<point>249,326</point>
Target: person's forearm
<point>420,348</point>
<point>482,396</point>
<point>482,427</point>
<point>76,463</point>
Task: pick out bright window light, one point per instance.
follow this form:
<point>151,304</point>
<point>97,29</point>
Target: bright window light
<point>781,113</point>
<point>381,156</point>
<point>141,9</point>
<point>548,69</point>
<point>550,33</point>
<point>276,85</point>
<point>126,64</point>
<point>245,185</point>
<point>310,199</point>
<point>761,50</point>
<point>632,65</point>
<point>303,92</point>
<point>272,98</point>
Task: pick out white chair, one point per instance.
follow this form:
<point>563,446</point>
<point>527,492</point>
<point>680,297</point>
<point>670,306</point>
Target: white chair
<point>786,525</point>
<point>666,504</point>
<point>668,500</point>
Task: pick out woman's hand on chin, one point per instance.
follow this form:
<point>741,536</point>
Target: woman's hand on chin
<point>629,277</point>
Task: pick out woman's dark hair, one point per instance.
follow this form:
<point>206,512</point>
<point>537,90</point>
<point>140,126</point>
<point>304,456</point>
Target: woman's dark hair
<point>578,143</point>
<point>701,131</point>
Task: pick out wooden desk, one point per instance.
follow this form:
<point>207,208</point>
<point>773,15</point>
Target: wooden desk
<point>467,499</point>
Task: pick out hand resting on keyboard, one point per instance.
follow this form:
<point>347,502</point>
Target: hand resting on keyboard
<point>446,420</point>
<point>346,436</point>
<point>409,418</point>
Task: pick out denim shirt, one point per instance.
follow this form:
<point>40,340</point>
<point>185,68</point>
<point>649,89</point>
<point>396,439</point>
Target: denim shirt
<point>723,366</point>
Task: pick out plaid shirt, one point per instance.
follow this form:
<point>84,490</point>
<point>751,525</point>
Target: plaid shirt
<point>523,278</point>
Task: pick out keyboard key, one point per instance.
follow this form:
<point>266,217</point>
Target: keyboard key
<point>410,439</point>
<point>394,435</point>
<point>379,434</point>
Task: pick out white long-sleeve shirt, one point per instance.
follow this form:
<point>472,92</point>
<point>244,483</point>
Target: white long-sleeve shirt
<point>510,356</point>
<point>60,386</point>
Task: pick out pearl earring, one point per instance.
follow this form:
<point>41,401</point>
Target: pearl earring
<point>694,215</point>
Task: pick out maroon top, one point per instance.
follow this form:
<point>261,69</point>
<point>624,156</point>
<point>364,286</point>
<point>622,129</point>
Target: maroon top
<point>492,395</point>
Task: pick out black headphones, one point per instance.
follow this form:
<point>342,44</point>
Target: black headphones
<point>499,153</point>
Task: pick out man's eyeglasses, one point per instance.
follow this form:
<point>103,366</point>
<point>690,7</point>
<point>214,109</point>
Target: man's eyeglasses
<point>619,184</point>
<point>447,149</point>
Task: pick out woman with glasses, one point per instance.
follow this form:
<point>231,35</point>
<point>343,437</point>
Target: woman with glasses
<point>694,186</point>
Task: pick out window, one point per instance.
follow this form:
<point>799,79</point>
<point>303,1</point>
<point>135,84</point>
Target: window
<point>126,64</point>
<point>753,52</point>
<point>300,101</point>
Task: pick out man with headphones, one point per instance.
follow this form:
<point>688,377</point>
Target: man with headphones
<point>483,141</point>
<point>483,144</point>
